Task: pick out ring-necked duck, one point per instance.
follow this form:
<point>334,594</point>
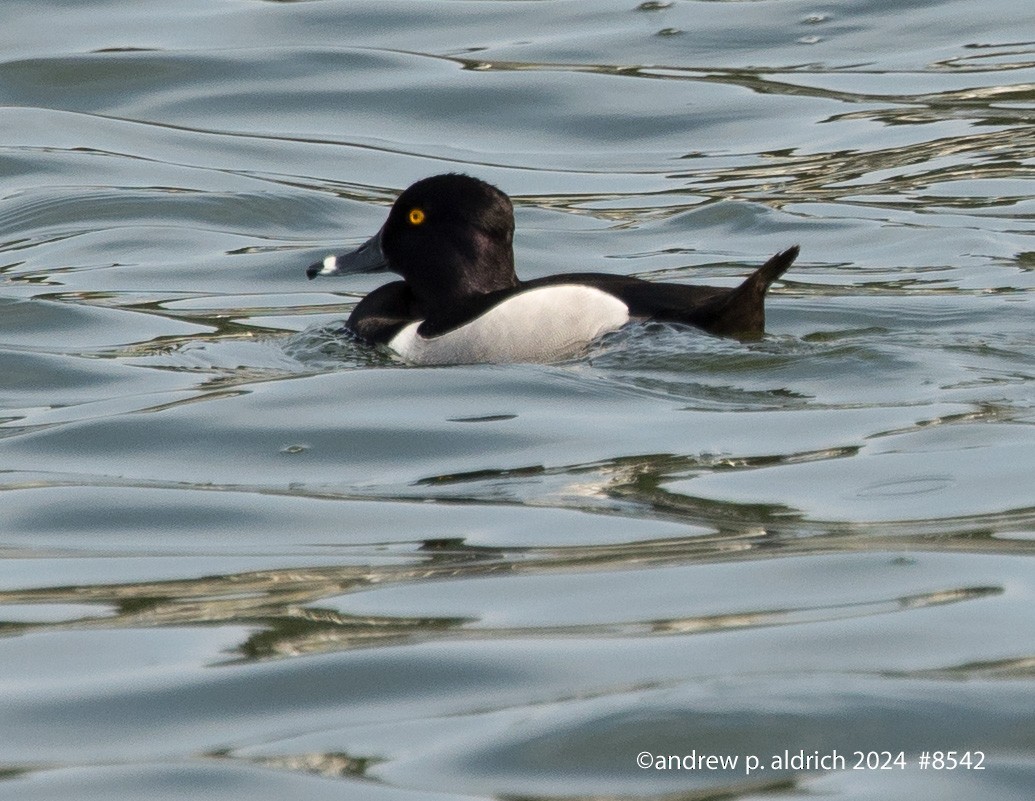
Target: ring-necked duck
<point>450,237</point>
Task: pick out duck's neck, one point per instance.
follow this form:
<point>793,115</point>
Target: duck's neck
<point>465,273</point>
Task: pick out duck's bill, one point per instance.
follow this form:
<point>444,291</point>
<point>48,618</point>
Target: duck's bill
<point>367,258</point>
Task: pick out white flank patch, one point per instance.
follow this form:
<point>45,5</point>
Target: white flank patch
<point>546,324</point>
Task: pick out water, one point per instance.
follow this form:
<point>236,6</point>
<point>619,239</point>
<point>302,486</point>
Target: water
<point>242,556</point>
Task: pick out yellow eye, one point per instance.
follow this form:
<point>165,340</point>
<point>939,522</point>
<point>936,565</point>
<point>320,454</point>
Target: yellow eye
<point>416,216</point>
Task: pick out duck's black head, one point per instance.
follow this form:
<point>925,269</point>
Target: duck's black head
<point>451,237</point>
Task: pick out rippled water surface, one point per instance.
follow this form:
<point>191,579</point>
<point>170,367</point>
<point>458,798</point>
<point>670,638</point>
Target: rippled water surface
<point>244,557</point>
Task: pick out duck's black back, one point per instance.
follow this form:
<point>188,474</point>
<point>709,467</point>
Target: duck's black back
<point>737,311</point>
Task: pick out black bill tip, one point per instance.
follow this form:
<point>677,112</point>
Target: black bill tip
<point>325,267</point>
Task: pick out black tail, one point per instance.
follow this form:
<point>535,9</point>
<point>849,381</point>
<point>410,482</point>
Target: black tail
<point>741,311</point>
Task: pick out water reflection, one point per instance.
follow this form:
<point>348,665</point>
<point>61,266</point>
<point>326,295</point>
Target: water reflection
<point>284,604</point>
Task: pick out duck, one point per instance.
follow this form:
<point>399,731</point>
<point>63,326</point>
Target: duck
<point>450,238</point>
